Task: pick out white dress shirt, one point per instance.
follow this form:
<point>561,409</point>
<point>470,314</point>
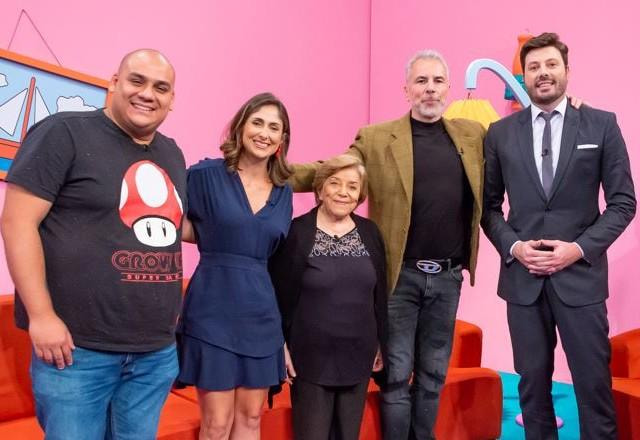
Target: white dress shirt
<point>557,122</point>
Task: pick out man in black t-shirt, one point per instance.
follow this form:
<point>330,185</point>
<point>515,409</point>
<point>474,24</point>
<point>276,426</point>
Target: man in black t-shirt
<point>92,228</point>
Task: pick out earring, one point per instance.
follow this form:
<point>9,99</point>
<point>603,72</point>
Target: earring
<point>278,152</point>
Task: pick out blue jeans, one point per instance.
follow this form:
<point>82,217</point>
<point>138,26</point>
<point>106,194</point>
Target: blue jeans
<point>103,395</point>
<point>422,315</point>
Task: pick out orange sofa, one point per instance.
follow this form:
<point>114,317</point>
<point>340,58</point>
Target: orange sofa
<point>470,408</point>
<point>625,369</point>
<point>179,420</point>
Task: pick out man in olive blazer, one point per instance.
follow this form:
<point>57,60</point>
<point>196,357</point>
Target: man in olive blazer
<point>421,320</point>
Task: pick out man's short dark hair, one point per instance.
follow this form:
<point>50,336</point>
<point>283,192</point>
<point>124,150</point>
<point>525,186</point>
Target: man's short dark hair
<point>544,40</point>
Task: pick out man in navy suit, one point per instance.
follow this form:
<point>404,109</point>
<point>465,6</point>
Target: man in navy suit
<point>552,160</point>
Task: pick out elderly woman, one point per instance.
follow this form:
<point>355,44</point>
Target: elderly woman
<point>329,277</point>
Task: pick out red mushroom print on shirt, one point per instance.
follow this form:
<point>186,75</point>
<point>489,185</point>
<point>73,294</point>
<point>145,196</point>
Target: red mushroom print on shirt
<point>150,204</point>
<point>152,209</point>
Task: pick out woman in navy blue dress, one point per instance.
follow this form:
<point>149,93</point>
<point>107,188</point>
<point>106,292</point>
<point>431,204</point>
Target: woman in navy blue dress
<point>239,209</point>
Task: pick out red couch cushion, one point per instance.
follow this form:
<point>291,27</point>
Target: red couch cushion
<point>625,354</point>
<point>16,400</point>
<point>179,420</point>
<point>467,345</point>
<point>470,405</point>
<point>26,428</point>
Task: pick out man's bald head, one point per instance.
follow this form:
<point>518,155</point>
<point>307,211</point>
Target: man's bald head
<point>145,56</point>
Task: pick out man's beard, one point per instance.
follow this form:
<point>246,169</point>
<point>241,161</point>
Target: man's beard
<point>432,112</point>
<point>548,99</point>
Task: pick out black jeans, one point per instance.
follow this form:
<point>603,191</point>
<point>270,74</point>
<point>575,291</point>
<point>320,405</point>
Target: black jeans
<point>422,315</point>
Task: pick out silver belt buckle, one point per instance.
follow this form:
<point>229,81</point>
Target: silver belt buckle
<point>428,266</point>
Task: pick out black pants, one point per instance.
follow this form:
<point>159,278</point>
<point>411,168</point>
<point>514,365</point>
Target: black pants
<point>327,412</point>
<point>584,333</point>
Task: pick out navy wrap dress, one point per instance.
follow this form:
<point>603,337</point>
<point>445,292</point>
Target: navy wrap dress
<point>230,328</point>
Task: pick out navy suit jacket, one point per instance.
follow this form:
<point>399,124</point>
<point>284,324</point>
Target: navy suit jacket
<point>570,213</point>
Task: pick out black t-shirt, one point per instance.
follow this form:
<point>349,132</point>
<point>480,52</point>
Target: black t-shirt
<point>111,239</point>
<point>442,198</point>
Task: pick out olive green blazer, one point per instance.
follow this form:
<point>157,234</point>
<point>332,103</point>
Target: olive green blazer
<point>386,149</point>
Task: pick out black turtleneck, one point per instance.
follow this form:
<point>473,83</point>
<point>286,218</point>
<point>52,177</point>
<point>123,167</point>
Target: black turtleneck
<point>442,201</point>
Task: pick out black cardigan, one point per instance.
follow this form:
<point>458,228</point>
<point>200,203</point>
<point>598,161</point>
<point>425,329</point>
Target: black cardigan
<point>287,266</point>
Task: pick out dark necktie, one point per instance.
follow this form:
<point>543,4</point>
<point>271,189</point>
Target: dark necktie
<point>547,156</point>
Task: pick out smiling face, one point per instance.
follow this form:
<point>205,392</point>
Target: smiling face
<point>142,94</point>
<point>545,77</point>
<point>426,89</point>
<point>262,133</point>
<point>340,192</point>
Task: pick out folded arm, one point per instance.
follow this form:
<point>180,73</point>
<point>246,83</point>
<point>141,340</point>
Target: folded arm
<point>303,175</point>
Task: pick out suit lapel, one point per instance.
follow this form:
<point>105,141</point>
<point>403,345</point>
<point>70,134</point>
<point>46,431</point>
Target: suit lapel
<point>569,133</point>
<point>525,143</point>
<point>401,147</point>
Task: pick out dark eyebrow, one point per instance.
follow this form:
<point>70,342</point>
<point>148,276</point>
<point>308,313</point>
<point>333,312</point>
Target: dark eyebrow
<point>135,75</point>
<point>259,119</point>
<point>166,84</point>
<point>434,77</point>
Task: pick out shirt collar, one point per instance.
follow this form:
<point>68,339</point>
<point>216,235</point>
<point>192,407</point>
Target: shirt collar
<point>560,108</point>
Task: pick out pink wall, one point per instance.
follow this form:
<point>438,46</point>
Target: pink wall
<point>335,72</point>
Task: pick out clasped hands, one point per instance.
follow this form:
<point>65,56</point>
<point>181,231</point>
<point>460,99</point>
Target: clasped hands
<point>546,257</point>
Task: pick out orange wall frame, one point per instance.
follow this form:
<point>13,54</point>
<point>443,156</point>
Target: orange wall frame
<point>9,148</point>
